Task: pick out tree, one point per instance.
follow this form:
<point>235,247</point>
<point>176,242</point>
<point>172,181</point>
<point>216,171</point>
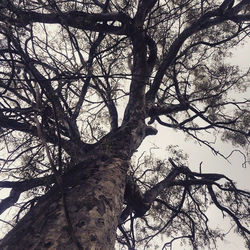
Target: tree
<point>68,69</point>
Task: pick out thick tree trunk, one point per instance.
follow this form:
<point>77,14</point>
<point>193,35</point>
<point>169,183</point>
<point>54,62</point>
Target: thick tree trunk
<point>93,198</point>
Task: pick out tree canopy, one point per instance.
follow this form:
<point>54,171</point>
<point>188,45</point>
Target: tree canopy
<point>82,77</point>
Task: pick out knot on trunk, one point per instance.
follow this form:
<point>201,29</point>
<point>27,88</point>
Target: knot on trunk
<point>150,131</point>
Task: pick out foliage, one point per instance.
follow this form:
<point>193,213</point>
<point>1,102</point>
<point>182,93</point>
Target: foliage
<point>73,73</point>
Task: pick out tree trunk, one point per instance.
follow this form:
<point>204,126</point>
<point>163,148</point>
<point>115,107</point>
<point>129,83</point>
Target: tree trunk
<point>93,198</point>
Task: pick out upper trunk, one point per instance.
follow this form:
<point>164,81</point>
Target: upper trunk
<point>93,200</point>
<point>85,214</point>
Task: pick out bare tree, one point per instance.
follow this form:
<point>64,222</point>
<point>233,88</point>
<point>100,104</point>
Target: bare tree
<point>80,84</point>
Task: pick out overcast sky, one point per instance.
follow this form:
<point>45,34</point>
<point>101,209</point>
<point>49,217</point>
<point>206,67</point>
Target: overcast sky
<point>210,162</point>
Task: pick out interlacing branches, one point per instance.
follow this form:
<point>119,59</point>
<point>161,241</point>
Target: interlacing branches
<point>85,79</point>
<point>195,192</point>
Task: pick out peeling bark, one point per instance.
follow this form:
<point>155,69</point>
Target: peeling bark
<point>94,196</point>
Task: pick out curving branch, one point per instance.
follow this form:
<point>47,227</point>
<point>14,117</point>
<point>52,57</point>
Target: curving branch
<point>74,19</point>
<point>222,208</point>
<point>209,19</point>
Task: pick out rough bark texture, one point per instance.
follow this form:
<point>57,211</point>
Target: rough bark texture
<point>94,196</point>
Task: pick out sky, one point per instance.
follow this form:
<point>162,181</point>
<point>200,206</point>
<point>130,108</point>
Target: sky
<point>211,163</point>
<point>233,168</point>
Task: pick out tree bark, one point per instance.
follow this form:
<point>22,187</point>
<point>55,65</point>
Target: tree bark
<point>93,192</point>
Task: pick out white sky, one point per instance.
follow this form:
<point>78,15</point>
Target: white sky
<point>211,163</point>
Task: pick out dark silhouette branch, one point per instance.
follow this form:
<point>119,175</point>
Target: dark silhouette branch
<point>224,209</point>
